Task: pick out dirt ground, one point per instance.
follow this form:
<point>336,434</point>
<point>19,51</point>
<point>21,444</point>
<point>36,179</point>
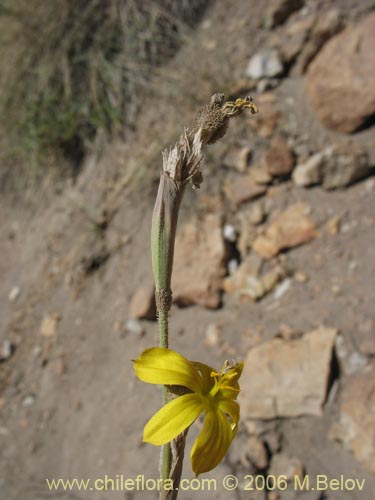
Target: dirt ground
<point>70,405</point>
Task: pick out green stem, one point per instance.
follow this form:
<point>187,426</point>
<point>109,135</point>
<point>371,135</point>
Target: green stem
<point>165,455</point>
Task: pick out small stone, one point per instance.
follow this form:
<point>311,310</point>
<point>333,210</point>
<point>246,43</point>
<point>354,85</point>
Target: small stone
<point>256,213</point>
<point>257,453</point>
<point>14,293</point>
<point>343,72</point>
<point>134,327</point>
<point>229,233</point>
<point>355,363</point>
<point>355,427</point>
<point>260,175</point>
<point>232,266</point>
<point>301,277</point>
<point>49,325</point>
<point>279,159</point>
<point>6,350</point>
<point>250,266</point>
<point>265,64</point>
<point>345,164</point>
<point>287,230</point>
<point>28,401</point>
<point>282,289</point>
<point>290,467</point>
<point>310,172</point>
<point>274,367</point>
<point>280,10</point>
<point>332,227</point>
<point>213,334</point>
<point>239,159</point>
<point>241,189</point>
<point>142,304</point>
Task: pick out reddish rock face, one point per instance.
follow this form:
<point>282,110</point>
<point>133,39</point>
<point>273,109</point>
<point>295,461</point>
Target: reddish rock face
<point>340,80</point>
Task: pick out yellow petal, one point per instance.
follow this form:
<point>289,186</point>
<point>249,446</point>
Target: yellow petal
<point>212,443</point>
<point>166,367</point>
<point>231,408</point>
<point>173,418</point>
<point>206,371</point>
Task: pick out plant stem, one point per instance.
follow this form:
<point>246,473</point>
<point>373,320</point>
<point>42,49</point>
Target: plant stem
<point>165,454</point>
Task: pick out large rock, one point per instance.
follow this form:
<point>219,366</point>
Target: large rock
<point>200,263</point>
<point>356,425</point>
<point>340,80</point>
<point>287,378</point>
<point>335,167</point>
<point>288,229</point>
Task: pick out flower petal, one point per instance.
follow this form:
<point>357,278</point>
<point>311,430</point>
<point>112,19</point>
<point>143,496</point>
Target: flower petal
<point>158,365</point>
<point>231,408</point>
<point>173,418</point>
<point>212,443</point>
<point>208,379</point>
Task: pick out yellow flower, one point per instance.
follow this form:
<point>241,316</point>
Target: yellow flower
<point>209,391</point>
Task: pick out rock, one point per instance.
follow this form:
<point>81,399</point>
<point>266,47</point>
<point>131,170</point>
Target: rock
<point>265,64</point>
<point>14,293</point>
<point>332,226</point>
<point>28,400</point>
<point>133,326</point>
<point>142,304</point>
<point>335,167</point>
<point>260,175</point>
<point>250,266</point>
<point>269,116</point>
<point>245,283</point>
<point>239,159</point>
<point>296,36</point>
<point>355,427</point>
<point>249,217</point>
<point>6,350</point>
<point>287,230</point>
<point>200,263</point>
<point>301,277</point>
<point>280,10</point>
<point>282,288</point>
<point>283,465</point>
<point>279,159</point>
<point>49,325</point>
<point>241,189</point>
<point>310,172</point>
<point>287,378</point>
<point>324,28</point>
<point>257,453</point>
<point>340,80</point>
<point>232,266</point>
<point>229,233</point>
<point>343,165</point>
<point>213,334</point>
